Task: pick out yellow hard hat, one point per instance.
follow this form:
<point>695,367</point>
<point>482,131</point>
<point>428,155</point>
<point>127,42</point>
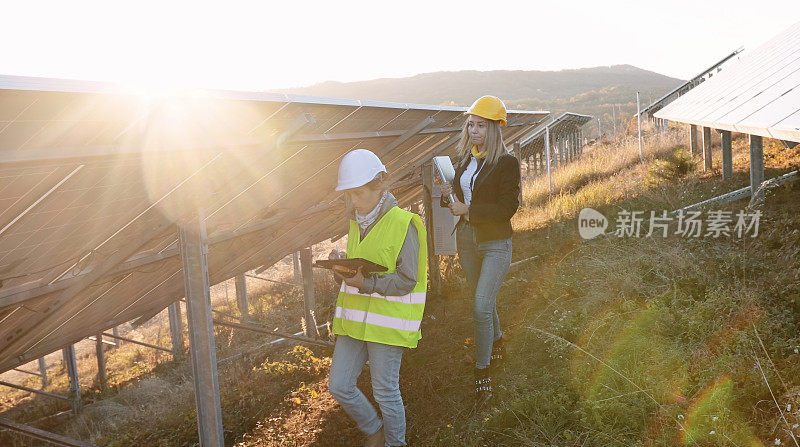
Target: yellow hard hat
<point>489,107</point>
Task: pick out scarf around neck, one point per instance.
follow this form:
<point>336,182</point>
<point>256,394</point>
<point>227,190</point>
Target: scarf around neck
<point>365,220</point>
<point>477,154</point>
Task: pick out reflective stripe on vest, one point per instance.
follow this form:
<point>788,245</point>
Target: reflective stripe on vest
<point>391,320</point>
<point>377,319</point>
<point>409,298</point>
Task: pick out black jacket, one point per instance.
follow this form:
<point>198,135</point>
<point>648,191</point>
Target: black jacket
<point>495,198</point>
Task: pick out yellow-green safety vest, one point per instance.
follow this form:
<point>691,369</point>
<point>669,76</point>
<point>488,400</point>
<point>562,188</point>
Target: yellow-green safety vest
<point>391,320</point>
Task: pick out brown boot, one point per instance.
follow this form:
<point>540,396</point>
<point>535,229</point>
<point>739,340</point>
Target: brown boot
<point>483,387</point>
<point>498,353</point>
<point>376,439</point>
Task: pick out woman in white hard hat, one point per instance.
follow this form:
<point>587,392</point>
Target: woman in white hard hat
<point>486,187</point>
<point>377,315</point>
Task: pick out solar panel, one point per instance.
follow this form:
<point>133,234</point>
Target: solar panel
<point>758,95</point>
<point>95,179</point>
<point>533,142</point>
<point>686,86</point>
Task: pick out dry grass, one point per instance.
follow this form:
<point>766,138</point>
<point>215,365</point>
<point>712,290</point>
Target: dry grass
<point>604,175</point>
<point>667,314</point>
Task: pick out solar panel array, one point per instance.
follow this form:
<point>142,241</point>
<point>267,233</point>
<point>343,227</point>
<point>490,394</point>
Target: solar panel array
<point>534,142</point>
<point>757,95</point>
<point>95,179</point>
<point>686,86</point>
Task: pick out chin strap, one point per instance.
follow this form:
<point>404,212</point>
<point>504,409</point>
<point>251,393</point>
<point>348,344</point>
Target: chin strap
<point>476,154</point>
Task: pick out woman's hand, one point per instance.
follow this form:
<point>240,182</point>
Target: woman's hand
<point>356,280</point>
<point>458,208</point>
<point>446,189</point>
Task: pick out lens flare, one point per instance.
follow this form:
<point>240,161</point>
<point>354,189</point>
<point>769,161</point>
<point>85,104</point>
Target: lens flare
<point>710,419</point>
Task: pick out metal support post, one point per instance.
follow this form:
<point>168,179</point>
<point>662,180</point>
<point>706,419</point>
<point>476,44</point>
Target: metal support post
<point>756,165</point>
<point>570,147</point>
<point>547,160</point>
<point>706,148</point>
<point>194,248</point>
<point>309,301</point>
<point>43,372</point>
<point>573,149</point>
<point>71,365</point>
<point>555,153</point>
<point>115,331</point>
<point>296,267</point>
<point>727,155</point>
<point>556,150</point>
<point>175,329</point>
<point>599,130</point>
<point>241,296</point>
<point>577,147</point>
<point>693,147</point>
<point>102,376</point>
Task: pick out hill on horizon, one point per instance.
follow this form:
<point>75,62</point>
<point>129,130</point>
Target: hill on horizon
<point>606,92</point>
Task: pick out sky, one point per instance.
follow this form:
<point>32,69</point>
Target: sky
<point>269,45</point>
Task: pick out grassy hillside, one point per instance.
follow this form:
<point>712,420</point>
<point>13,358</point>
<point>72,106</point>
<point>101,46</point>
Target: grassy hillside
<point>615,341</point>
<point>606,92</point>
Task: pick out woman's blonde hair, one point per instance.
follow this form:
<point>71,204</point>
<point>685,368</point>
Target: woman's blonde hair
<point>492,144</point>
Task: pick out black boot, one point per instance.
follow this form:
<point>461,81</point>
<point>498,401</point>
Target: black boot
<point>483,387</point>
<point>498,353</point>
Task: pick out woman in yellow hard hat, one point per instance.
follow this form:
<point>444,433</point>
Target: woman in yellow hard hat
<point>486,187</point>
<point>377,316</point>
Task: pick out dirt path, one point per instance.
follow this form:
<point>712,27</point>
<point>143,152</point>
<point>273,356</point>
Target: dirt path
<point>311,417</point>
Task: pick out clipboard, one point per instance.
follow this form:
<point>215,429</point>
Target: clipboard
<point>348,267</point>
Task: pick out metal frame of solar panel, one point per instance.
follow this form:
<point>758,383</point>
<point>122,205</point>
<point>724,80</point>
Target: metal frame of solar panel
<point>96,182</point>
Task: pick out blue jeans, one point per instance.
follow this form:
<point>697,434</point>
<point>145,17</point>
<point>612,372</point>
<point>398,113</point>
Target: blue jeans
<point>485,265</point>
<point>349,356</point>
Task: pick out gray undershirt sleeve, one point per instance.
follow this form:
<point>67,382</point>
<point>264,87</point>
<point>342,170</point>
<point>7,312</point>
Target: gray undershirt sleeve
<point>404,278</point>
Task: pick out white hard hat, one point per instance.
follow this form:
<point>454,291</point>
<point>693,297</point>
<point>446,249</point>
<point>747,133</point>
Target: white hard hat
<point>358,167</point>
